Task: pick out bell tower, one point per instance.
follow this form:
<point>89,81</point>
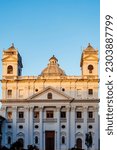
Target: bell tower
<point>89,62</point>
<point>11,63</point>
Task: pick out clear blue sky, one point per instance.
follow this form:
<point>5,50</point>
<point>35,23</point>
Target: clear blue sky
<point>41,28</point>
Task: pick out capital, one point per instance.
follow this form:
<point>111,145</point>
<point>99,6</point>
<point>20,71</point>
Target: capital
<point>85,108</point>
<point>68,108</point>
<point>58,108</point>
<point>96,109</point>
<point>41,108</point>
<point>31,108</point>
<point>14,108</point>
<point>73,108</point>
<point>27,108</point>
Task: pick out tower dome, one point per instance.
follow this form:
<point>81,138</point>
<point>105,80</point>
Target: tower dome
<point>53,68</point>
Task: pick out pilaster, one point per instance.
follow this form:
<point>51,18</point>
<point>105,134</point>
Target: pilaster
<point>96,129</point>
<point>26,127</point>
<point>58,128</point>
<point>4,113</point>
<point>68,127</point>
<point>14,123</point>
<point>85,126</point>
<point>41,128</point>
<point>72,127</point>
<point>31,130</point>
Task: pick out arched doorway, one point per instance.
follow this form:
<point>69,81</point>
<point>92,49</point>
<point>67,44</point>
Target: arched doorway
<point>21,142</point>
<point>79,143</point>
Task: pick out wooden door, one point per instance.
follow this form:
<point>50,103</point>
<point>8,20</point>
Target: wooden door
<point>79,143</point>
<point>49,140</point>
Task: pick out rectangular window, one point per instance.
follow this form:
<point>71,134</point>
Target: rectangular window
<point>90,114</point>
<point>90,91</point>
<point>20,93</point>
<point>9,115</point>
<point>9,93</point>
<point>79,114</point>
<point>49,114</point>
<point>36,114</point>
<point>63,114</point>
<point>78,92</point>
<point>21,115</point>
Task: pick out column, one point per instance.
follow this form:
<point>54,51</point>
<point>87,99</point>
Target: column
<point>14,123</point>
<point>96,130</point>
<point>72,127</point>
<point>68,127</point>
<point>84,127</point>
<point>4,126</point>
<point>41,128</point>
<point>43,140</point>
<point>26,114</point>
<point>31,127</point>
<point>58,138</point>
<point>55,140</point>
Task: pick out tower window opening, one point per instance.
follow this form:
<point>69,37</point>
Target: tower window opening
<point>36,90</point>
<point>10,70</point>
<point>9,93</point>
<point>90,68</point>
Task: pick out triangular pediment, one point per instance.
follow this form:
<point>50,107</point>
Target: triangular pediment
<point>56,95</point>
<point>9,58</point>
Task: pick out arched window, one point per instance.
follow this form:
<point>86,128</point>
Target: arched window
<point>90,68</point>
<point>63,140</point>
<point>36,140</point>
<point>10,70</point>
<point>9,140</point>
<point>49,96</point>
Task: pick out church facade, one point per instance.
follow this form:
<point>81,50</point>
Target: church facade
<point>53,111</point>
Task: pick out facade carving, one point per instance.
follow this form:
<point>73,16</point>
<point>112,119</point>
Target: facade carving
<point>52,106</point>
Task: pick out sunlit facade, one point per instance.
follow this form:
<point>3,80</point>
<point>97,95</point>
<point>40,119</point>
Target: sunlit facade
<point>53,111</point>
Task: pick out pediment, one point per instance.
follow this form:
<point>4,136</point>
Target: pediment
<point>9,58</point>
<point>79,134</point>
<point>56,95</point>
<point>90,58</point>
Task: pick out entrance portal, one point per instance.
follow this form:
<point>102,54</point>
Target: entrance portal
<point>79,143</point>
<point>49,140</point>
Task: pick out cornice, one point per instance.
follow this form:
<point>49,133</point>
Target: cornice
<point>50,101</point>
<point>51,80</point>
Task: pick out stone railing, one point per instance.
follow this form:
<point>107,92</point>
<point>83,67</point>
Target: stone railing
<point>90,120</point>
<point>63,119</point>
<point>20,120</point>
<point>36,120</point>
<point>50,120</point>
<point>79,120</point>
